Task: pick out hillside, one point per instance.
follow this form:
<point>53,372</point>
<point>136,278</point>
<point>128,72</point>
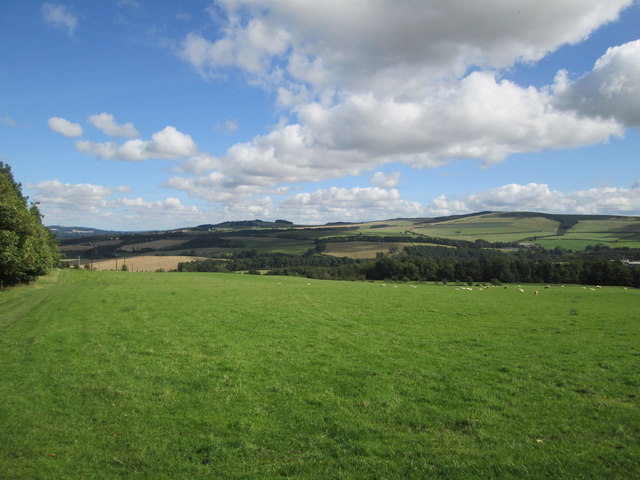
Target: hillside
<point>570,232</point>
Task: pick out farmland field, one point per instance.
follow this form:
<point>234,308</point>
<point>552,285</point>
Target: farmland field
<point>174,375</point>
<point>490,227</point>
<point>362,249</point>
<point>144,263</point>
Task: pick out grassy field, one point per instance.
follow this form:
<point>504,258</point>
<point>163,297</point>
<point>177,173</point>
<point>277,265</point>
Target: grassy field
<point>490,227</point>
<point>173,375</point>
<point>362,249</point>
<point>615,233</point>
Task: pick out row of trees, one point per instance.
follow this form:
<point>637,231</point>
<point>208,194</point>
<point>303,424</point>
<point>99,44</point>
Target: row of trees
<point>428,263</point>
<point>27,248</point>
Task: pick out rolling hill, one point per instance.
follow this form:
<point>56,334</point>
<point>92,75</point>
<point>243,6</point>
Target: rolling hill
<point>571,232</point>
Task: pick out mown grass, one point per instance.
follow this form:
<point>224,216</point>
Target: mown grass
<point>116,374</point>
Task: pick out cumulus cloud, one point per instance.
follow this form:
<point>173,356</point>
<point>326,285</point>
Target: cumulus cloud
<point>610,90</point>
<point>87,204</point>
<point>107,124</point>
<point>383,45</point>
<point>59,17</point>
<point>354,204</point>
<point>385,180</point>
<point>84,197</point>
<point>541,198</point>
<point>64,127</point>
<point>372,83</point>
<point>168,143</point>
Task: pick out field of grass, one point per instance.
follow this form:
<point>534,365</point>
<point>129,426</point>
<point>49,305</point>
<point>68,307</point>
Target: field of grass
<point>490,227</point>
<point>172,375</point>
<point>615,233</point>
<point>362,249</point>
<point>580,241</point>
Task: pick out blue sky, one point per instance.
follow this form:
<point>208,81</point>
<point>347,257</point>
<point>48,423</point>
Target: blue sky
<point>134,114</point>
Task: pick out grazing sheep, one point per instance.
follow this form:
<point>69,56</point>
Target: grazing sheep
<point>520,290</point>
<point>535,292</point>
<point>382,285</point>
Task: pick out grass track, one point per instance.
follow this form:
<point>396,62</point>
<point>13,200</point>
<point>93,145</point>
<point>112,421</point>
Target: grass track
<point>232,376</point>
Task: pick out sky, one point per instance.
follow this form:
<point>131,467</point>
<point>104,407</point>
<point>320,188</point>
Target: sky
<point>156,114</point>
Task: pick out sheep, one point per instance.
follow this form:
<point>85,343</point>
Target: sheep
<point>535,292</point>
<point>520,290</point>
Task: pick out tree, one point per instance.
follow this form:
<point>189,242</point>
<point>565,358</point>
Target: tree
<point>27,248</point>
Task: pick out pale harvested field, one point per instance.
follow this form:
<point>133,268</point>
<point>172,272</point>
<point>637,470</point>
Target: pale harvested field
<point>144,263</point>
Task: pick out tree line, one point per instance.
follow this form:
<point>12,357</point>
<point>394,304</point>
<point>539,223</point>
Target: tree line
<point>601,266</point>
<point>27,248</point>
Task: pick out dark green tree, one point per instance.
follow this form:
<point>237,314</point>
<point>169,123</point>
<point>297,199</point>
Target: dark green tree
<point>27,248</point>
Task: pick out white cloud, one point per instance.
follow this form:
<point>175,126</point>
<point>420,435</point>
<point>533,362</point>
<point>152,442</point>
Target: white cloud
<point>384,45</point>
<point>168,143</point>
<point>385,180</point>
<point>541,198</point>
<point>88,205</point>
<point>343,204</point>
<point>372,83</point>
<point>106,124</point>
<point>168,207</point>
<point>477,117</point>
<point>59,17</point>
<point>249,47</point>
<point>199,164</point>
<point>610,90</point>
<point>58,197</point>
<point>64,127</point>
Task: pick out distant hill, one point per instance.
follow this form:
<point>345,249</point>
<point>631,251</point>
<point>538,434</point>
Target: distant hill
<point>72,232</point>
<point>510,229</point>
<point>245,224</point>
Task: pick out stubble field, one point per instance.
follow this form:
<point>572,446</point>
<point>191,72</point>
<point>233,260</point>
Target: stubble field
<point>174,375</point>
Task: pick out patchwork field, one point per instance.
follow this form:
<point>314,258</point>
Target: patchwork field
<point>490,227</point>
<point>173,375</point>
<point>362,249</point>
<point>144,263</point>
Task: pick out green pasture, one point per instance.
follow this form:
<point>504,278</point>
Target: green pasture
<point>580,241</point>
<point>362,249</point>
<point>107,375</point>
<point>621,225</point>
<point>490,227</point>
